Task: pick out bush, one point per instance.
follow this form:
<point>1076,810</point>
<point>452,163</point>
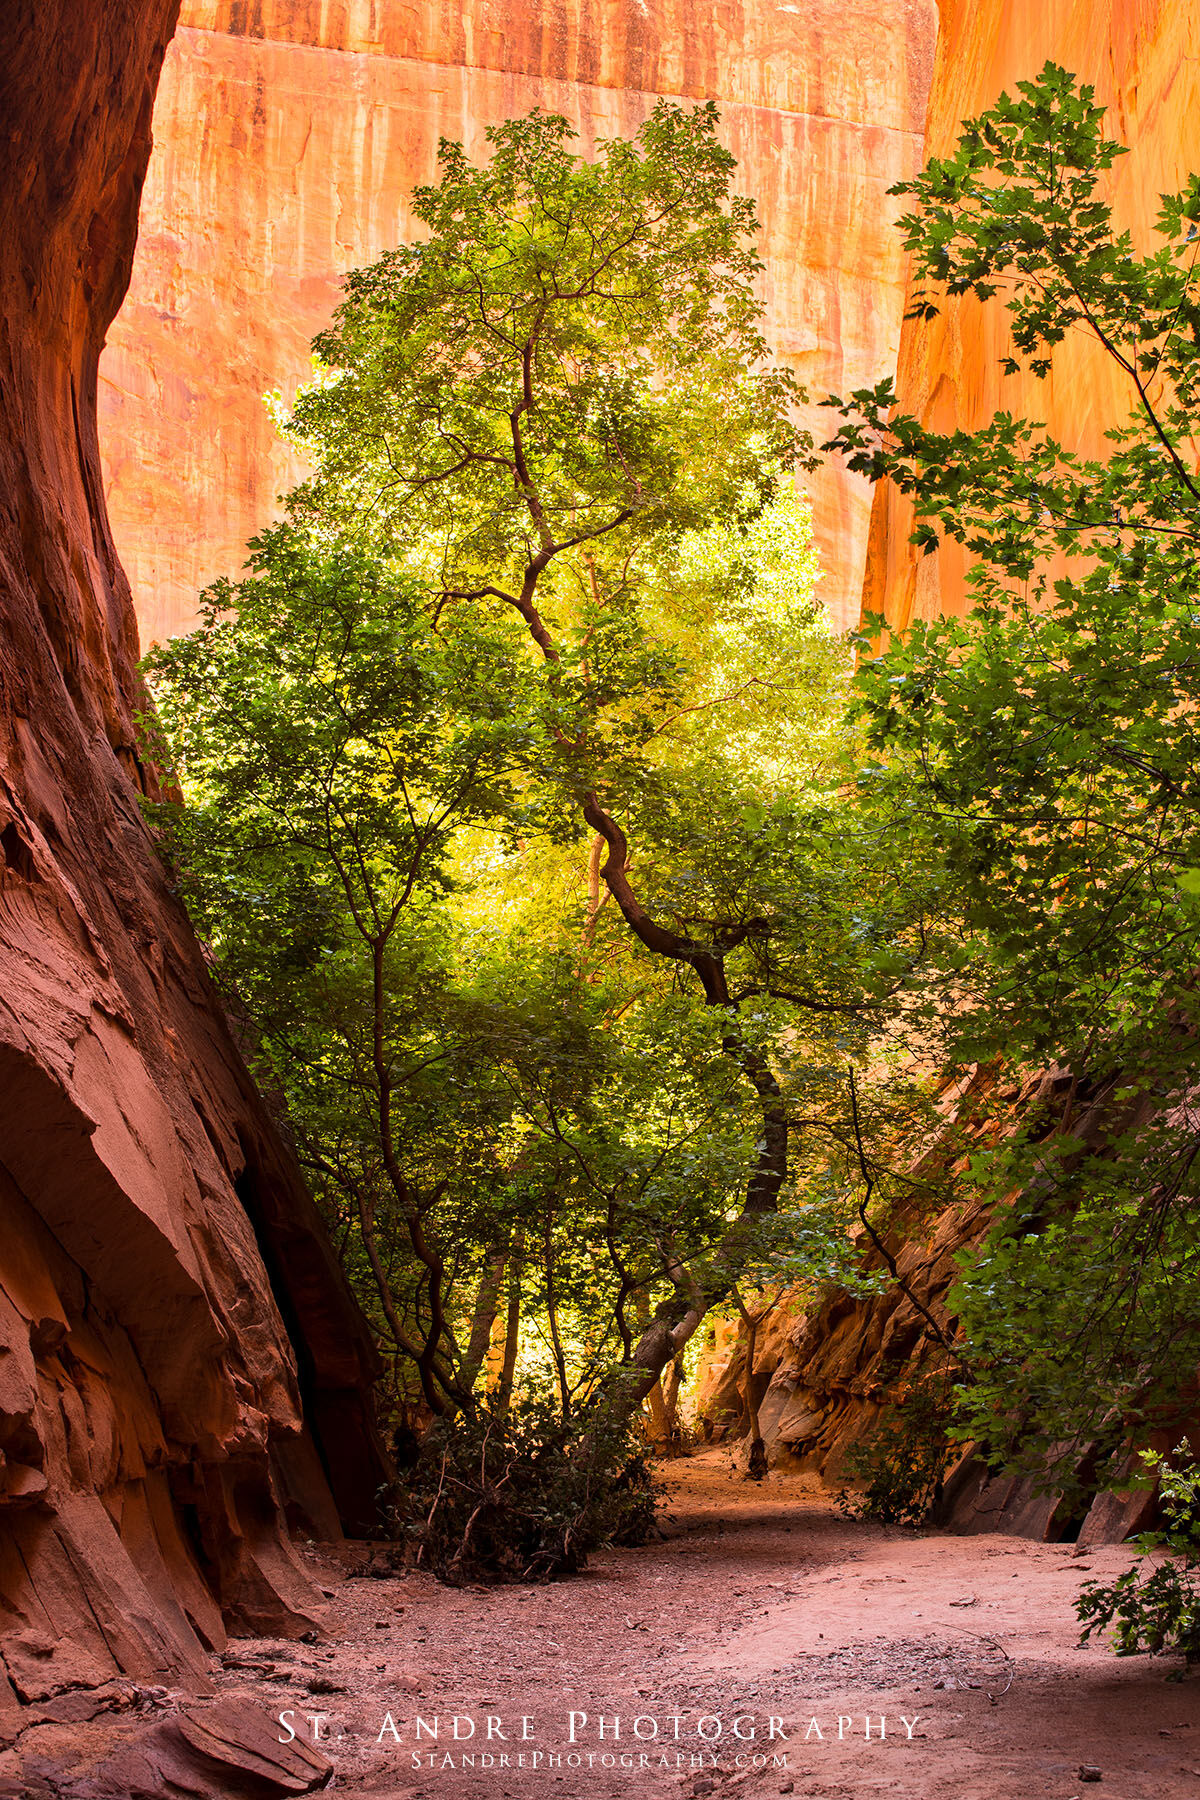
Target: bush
<point>521,1495</point>
<point>902,1463</point>
<point>1160,1612</point>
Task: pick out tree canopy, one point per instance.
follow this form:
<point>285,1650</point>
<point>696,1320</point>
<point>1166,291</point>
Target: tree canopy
<point>515,771</point>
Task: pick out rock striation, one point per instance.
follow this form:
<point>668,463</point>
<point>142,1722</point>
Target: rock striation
<point>1143,58</point>
<point>290,134</point>
<point>154,1234</point>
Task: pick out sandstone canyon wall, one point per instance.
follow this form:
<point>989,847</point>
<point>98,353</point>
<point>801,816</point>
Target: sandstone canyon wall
<point>827,1379</point>
<point>832,1375</point>
<point>1143,58</point>
<point>289,134</point>
<point>147,1383</point>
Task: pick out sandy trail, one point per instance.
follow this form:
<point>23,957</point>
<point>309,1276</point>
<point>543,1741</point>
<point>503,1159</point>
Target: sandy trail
<point>765,1608</point>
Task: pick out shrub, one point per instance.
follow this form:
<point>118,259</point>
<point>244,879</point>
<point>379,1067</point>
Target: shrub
<point>521,1495</point>
<point>902,1463</point>
<point>1159,1612</point>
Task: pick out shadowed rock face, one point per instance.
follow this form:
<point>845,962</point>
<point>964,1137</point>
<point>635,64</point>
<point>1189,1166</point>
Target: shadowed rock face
<point>147,1383</point>
<point>829,1379</point>
<point>1143,58</point>
<point>288,137</point>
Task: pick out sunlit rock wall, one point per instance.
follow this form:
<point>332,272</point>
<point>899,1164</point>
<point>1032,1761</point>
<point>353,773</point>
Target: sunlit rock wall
<point>289,134</point>
<point>152,1411</point>
<point>1143,57</point>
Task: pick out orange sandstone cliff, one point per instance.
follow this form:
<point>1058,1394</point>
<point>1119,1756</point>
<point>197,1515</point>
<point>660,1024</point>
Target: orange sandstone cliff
<point>1143,58</point>
<point>825,1380</point>
<point>155,1422</point>
<point>290,134</point>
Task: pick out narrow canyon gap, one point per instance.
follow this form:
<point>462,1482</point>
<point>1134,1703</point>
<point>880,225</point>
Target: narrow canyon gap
<point>148,1384</point>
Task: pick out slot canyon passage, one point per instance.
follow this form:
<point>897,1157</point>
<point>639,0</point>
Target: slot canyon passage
<point>199,1592</point>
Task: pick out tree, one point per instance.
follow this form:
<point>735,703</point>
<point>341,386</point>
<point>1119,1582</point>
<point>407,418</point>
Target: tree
<point>332,747</point>
<point>554,389</point>
<point>756,1466</point>
<point>1044,749</point>
<point>546,597</point>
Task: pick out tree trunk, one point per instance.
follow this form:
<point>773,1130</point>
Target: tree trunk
<point>663,1395</point>
<point>655,1400</point>
<point>505,1372</point>
<point>487,1305</point>
<point>670,1384</point>
<point>665,1338</point>
<point>756,1467</point>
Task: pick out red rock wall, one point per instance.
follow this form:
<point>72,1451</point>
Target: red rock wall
<point>146,1379</point>
<point>290,133</point>
<point>827,1379</point>
<point>1143,57</point>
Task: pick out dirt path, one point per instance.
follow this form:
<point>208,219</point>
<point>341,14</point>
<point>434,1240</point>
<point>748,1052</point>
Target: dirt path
<point>763,1611</point>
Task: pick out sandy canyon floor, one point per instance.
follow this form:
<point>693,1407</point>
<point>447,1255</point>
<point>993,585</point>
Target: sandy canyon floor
<point>761,1604</point>
<point>743,1655</point>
